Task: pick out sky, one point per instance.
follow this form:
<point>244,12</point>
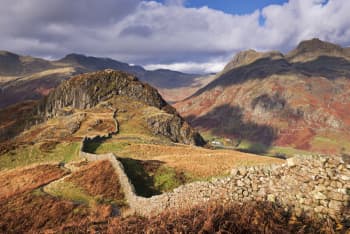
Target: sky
<point>197,36</point>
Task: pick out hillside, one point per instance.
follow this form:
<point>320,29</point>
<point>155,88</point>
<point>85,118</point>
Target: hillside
<point>278,103</point>
<point>99,114</point>
<point>26,78</point>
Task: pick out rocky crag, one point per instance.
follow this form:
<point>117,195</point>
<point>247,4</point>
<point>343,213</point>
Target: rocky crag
<point>84,92</point>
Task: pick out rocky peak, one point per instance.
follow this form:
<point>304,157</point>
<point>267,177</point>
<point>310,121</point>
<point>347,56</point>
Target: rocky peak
<point>316,44</point>
<point>311,49</point>
<point>250,56</point>
<point>87,90</point>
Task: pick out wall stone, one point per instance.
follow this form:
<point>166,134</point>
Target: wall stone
<point>311,184</point>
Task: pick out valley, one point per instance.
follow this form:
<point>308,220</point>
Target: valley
<point>103,148</point>
<point>175,117</point>
<point>151,144</point>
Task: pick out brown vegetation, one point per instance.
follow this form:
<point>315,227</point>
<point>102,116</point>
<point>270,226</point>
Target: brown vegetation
<point>31,213</point>
<point>100,179</point>
<point>17,181</point>
<point>246,218</point>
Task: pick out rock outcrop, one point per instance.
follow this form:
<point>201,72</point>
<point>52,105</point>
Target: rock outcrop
<point>88,90</point>
<point>173,127</point>
<point>314,48</point>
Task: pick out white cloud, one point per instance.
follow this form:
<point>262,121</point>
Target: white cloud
<point>190,67</point>
<point>148,32</point>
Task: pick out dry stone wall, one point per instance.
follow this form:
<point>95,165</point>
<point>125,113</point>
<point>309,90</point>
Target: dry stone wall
<point>311,184</point>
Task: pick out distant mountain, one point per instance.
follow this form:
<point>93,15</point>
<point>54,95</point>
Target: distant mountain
<point>15,65</point>
<point>298,100</point>
<point>94,63</point>
<point>27,78</point>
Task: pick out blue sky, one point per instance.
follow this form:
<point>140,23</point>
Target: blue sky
<point>230,6</point>
<point>234,6</point>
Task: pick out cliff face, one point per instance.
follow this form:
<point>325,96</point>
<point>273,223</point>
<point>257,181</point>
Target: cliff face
<point>174,128</point>
<point>87,90</point>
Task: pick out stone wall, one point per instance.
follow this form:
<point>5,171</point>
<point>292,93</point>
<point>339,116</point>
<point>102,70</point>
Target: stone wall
<point>311,184</point>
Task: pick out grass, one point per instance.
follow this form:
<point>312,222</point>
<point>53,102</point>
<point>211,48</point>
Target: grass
<point>195,162</point>
<point>331,142</point>
<point>70,191</point>
<point>287,151</point>
<point>244,145</point>
<point>23,156</point>
<point>106,147</point>
<point>151,177</point>
<point>264,150</point>
<point>252,147</point>
<point>166,179</point>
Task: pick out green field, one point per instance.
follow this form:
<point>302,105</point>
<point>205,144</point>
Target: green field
<point>22,156</point>
<point>261,149</point>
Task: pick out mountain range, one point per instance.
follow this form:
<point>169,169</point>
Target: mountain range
<point>298,100</point>
<point>28,78</point>
<point>98,151</point>
<point>261,102</point>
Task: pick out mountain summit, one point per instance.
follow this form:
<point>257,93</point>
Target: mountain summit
<point>298,100</point>
<point>311,49</point>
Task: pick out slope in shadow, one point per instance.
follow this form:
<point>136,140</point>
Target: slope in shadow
<point>260,69</point>
<point>324,66</point>
<point>229,121</point>
<point>91,145</point>
<point>139,172</point>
